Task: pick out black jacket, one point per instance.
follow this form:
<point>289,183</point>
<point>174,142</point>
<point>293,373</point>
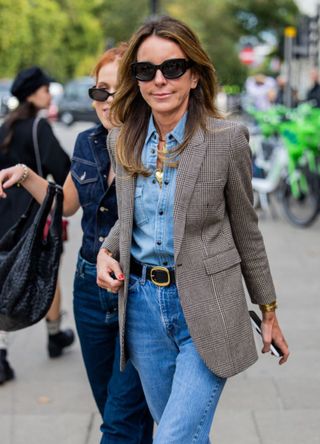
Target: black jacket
<point>54,161</point>
<point>314,95</point>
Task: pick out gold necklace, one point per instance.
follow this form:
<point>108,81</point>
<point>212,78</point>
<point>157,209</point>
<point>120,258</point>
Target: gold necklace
<point>159,176</point>
<point>159,171</point>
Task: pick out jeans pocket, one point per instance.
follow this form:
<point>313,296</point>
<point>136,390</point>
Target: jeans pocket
<point>108,301</point>
<point>134,281</point>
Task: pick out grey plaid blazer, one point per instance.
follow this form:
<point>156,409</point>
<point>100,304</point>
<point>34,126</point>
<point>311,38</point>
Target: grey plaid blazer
<point>216,242</point>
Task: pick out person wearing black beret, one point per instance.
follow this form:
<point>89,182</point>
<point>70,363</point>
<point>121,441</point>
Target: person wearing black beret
<point>21,131</point>
<point>27,82</point>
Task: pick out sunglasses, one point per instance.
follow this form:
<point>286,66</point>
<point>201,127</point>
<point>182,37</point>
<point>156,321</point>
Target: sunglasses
<point>171,69</point>
<point>99,94</point>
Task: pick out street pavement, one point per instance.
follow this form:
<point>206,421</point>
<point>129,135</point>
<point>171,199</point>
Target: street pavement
<point>50,401</point>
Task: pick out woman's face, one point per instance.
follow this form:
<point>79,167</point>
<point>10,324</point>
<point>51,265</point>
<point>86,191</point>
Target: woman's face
<point>168,98</point>
<point>107,78</point>
<point>41,98</point>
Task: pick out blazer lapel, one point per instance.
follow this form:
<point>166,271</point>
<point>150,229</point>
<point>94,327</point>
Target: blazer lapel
<point>188,170</point>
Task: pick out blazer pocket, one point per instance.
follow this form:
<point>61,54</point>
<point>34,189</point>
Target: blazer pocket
<point>222,261</point>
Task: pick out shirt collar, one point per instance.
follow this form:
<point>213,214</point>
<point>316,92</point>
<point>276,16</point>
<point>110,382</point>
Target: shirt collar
<point>177,133</point>
<point>99,129</point>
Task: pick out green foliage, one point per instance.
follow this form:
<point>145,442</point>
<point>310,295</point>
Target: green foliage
<point>66,36</point>
<point>120,18</point>
<point>255,16</point>
<point>217,30</point>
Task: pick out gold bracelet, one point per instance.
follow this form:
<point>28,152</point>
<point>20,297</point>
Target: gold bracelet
<point>267,308</point>
<point>24,175</point>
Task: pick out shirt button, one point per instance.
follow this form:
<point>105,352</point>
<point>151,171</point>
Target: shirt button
<point>95,141</point>
<point>101,239</point>
<point>165,263</point>
<point>159,242</point>
<point>166,182</point>
<point>154,181</point>
<point>153,151</point>
<point>102,209</point>
<point>161,212</point>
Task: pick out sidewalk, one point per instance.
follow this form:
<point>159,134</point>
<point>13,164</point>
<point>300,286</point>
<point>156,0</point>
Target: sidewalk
<point>50,401</point>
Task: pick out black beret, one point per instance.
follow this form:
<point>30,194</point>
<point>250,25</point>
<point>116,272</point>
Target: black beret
<point>28,81</point>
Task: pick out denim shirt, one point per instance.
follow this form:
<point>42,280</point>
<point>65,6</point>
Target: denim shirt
<point>152,238</point>
<point>90,165</point>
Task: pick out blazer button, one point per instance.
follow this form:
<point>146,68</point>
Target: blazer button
<point>101,239</point>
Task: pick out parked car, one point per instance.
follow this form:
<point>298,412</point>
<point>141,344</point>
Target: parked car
<point>75,104</point>
<point>7,101</point>
<point>56,91</point>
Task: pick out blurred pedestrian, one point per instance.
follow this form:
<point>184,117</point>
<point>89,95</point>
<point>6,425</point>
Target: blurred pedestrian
<point>279,95</point>
<point>258,91</point>
<point>313,94</point>
<point>90,185</point>
<point>186,222</point>
<point>20,132</point>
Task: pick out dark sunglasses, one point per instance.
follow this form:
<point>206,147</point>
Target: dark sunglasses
<point>171,69</point>
<point>99,94</point>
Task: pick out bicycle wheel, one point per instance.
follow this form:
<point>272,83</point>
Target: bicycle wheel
<point>302,210</point>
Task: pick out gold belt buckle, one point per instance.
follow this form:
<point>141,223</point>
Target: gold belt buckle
<point>161,284</point>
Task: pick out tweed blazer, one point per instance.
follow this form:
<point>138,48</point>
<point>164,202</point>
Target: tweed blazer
<point>216,242</point>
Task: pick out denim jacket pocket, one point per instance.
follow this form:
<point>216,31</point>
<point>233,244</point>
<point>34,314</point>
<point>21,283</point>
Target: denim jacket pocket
<point>85,175</point>
<point>140,216</point>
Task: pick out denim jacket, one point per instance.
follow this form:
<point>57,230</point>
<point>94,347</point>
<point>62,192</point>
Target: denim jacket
<point>90,167</point>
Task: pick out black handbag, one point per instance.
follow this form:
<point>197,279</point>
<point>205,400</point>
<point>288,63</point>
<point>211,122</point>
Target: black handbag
<point>29,264</point>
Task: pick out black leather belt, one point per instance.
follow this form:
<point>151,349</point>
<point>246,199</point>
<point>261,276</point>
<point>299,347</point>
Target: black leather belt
<point>161,276</point>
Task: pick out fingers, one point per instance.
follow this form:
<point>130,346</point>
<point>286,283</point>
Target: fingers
<point>109,273</point>
<point>271,331</point>
<point>8,178</point>
<point>281,343</point>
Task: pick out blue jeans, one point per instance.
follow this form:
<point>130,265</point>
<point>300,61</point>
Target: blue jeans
<point>119,395</point>
<point>182,393</point>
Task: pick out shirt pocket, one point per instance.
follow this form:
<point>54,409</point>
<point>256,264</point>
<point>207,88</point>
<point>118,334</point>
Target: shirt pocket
<point>85,175</point>
<point>140,216</point>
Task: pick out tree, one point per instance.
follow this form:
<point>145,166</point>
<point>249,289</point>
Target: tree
<point>66,36</point>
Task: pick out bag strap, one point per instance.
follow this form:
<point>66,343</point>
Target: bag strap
<point>44,209</point>
<point>36,144</point>
<point>56,217</point>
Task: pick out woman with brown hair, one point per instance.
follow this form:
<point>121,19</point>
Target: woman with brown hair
<point>186,233</point>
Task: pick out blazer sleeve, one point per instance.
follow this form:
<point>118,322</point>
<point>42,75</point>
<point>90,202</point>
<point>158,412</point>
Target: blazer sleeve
<point>112,241</point>
<point>244,221</point>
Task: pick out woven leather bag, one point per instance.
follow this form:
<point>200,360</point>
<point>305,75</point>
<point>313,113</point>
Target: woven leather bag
<point>29,264</point>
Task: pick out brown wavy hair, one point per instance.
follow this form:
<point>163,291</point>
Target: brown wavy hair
<point>132,113</point>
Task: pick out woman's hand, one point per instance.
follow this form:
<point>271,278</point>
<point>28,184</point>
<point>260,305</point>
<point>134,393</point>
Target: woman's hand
<point>9,177</point>
<point>106,266</point>
<point>271,331</point>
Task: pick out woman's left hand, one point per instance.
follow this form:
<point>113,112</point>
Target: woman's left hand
<point>271,331</point>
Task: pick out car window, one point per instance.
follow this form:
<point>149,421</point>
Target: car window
<point>77,90</point>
